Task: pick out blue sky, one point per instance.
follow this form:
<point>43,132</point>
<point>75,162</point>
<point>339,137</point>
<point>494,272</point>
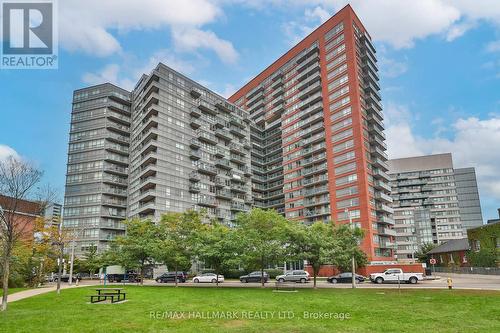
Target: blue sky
<point>439,62</point>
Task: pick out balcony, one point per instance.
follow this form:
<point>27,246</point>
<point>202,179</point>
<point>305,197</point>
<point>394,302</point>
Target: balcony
<point>315,180</point>
<point>237,158</point>
<point>382,185</point>
<point>316,190</point>
<point>384,208</point>
<point>194,176</point>
<point>380,163</point>
<point>195,112</point>
<point>195,92</point>
<point>195,155</point>
<point>238,206</point>
<point>223,163</point>
<point>207,107</point>
<point>206,136</point>
<point>207,169</point>
<point>223,194</point>
<point>385,220</point>
<point>207,201</point>
<point>376,151</point>
<point>238,188</point>
<point>195,123</point>
<point>194,143</point>
<point>383,197</point>
<point>222,133</point>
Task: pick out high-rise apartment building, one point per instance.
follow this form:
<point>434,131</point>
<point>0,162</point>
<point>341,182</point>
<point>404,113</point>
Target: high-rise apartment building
<point>468,198</point>
<point>190,149</point>
<point>318,150</point>
<point>169,145</point>
<point>95,200</point>
<point>425,202</point>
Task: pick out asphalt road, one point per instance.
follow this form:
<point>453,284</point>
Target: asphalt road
<point>460,281</point>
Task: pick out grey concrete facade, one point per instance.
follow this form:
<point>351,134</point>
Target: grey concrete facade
<point>97,175</point>
<point>169,145</point>
<point>468,198</point>
<point>425,202</point>
<point>190,150</point>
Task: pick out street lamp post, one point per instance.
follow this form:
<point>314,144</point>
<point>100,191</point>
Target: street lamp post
<point>353,260</point>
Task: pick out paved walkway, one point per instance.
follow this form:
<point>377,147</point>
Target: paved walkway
<point>38,291</point>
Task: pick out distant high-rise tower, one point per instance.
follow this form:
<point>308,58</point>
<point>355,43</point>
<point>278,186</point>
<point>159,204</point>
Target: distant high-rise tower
<point>468,198</point>
<point>426,202</point>
<point>318,150</point>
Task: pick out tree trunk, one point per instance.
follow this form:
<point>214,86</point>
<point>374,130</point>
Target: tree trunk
<point>142,274</point>
<point>217,277</point>
<point>5,279</point>
<point>315,274</point>
<point>176,284</point>
<point>262,276</point>
<point>59,271</point>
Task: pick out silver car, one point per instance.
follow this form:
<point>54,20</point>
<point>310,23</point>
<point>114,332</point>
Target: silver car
<point>294,276</point>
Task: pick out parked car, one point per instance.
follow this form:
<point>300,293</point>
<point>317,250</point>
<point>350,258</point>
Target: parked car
<point>345,278</point>
<point>65,278</point>
<point>294,276</point>
<point>171,277</point>
<point>208,277</point>
<point>395,275</point>
<point>254,277</point>
<point>130,277</point>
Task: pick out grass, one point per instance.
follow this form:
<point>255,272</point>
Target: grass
<point>371,310</point>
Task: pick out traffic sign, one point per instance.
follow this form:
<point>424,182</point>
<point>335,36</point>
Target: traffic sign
<point>432,261</point>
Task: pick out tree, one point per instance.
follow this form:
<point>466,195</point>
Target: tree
<point>218,247</point>
<point>177,238</point>
<point>92,261</point>
<point>17,180</point>
<point>421,254</point>
<point>347,240</point>
<point>134,250</point>
<point>264,238</point>
<point>483,257</point>
<point>315,243</point>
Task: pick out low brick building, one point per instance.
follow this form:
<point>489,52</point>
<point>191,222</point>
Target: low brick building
<point>453,252</point>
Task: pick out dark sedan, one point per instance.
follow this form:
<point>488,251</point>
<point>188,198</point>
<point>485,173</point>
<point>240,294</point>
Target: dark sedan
<point>254,277</point>
<point>345,278</point>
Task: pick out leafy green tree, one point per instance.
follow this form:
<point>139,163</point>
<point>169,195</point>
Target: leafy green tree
<point>483,258</point>
<point>347,240</point>
<point>218,247</point>
<point>264,238</point>
<point>315,243</point>
<point>91,261</point>
<point>176,240</point>
<point>135,249</point>
<point>421,254</point>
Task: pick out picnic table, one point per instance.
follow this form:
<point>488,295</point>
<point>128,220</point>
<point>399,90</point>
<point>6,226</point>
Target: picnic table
<point>115,294</point>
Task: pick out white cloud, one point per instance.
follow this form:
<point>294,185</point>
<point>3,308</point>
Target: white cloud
<point>493,46</point>
<point>126,75</point>
<point>90,26</point>
<point>391,68</point>
<point>6,151</point>
<point>401,23</point>
<point>190,39</point>
<point>110,73</point>
<point>317,13</point>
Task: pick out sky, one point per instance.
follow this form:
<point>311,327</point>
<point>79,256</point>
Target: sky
<point>439,62</point>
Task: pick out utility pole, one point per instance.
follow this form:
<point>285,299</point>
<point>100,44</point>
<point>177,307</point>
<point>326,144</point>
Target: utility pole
<point>353,260</point>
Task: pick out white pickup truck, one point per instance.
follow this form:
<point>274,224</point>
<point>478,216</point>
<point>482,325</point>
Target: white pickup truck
<point>395,275</point>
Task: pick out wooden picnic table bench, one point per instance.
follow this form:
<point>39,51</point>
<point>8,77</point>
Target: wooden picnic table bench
<point>115,294</point>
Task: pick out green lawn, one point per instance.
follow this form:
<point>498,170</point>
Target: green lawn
<point>370,311</point>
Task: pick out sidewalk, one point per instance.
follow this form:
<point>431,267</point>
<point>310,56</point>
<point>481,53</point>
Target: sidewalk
<point>37,291</point>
